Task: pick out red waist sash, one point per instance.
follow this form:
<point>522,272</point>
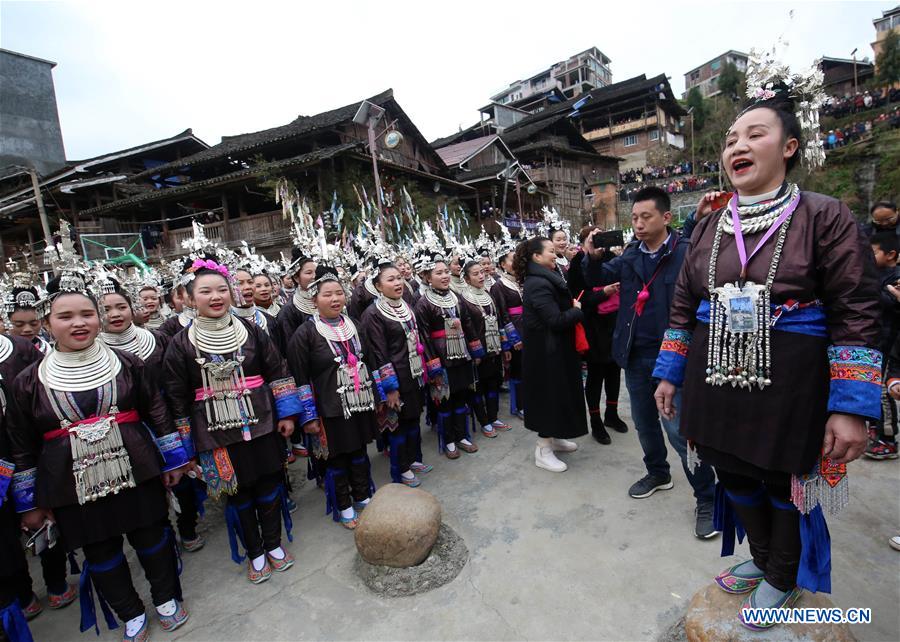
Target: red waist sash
<point>127,417</point>
<point>438,334</point>
<point>252,382</point>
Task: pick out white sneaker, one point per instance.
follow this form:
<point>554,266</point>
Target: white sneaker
<point>564,445</point>
<point>546,459</point>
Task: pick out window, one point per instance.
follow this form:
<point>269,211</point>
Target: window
<point>715,65</point>
<point>631,140</point>
<point>695,75</point>
<point>654,135</point>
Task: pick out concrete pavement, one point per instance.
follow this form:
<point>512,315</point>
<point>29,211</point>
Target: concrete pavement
<point>553,557</point>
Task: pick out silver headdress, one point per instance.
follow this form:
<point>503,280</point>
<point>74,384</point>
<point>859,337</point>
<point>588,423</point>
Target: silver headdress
<point>767,77</point>
<point>552,223</point>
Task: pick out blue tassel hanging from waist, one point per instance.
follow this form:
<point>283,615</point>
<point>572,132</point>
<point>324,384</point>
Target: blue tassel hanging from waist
<point>14,624</point>
<point>235,532</point>
<point>86,595</point>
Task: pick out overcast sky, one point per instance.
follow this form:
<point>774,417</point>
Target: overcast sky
<point>132,71</point>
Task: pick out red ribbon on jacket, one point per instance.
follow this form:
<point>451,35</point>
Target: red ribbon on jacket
<point>438,334</point>
<point>516,310</point>
<point>127,417</point>
<point>252,382</point>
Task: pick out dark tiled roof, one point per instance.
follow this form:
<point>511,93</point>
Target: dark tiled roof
<point>256,170</point>
<point>601,97</point>
<point>243,143</point>
<point>491,171</point>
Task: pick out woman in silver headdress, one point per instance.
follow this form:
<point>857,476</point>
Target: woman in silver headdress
<point>774,325</point>
<point>397,357</point>
<point>328,359</point>
<point>94,447</point>
<point>233,400</point>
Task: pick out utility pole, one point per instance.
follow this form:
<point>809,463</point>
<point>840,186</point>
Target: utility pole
<point>39,201</point>
<point>855,84</point>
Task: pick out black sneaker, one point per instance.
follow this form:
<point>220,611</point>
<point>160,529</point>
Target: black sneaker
<point>704,528</point>
<point>612,420</point>
<point>648,485</point>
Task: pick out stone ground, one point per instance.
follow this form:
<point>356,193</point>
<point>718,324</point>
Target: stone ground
<point>553,557</point>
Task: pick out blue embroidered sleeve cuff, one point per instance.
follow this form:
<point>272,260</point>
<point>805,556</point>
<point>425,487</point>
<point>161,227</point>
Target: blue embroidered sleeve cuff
<point>388,377</point>
<point>672,359</point>
<point>287,400</point>
<point>172,450</point>
<point>434,368</point>
<point>308,410</point>
<point>512,335</point>
<point>23,483</point>
<point>6,473</point>
<point>476,349</point>
<point>855,381</point>
<point>187,442</point>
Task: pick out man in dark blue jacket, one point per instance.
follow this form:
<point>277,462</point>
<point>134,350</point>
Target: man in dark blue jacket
<point>646,272</point>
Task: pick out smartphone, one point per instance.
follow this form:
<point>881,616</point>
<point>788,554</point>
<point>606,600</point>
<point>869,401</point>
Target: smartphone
<point>722,201</point>
<point>612,238</point>
<point>44,538</point>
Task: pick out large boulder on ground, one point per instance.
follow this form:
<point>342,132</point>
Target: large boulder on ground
<point>399,526</point>
<point>712,616</point>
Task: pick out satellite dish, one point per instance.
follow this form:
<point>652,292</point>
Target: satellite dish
<point>392,139</point>
<point>531,189</point>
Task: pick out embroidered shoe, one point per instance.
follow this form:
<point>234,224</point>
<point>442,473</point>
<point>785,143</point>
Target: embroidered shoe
<point>787,601</point>
<point>260,576</point>
<point>172,622</point>
<point>33,609</point>
<point>142,634</point>
<point>192,545</point>
<point>350,523</point>
<point>501,426</point>
<point>58,601</point>
<point>282,564</point>
<point>299,451</point>
<point>452,454</point>
<point>360,506</point>
<point>735,584</point>
<point>421,468</point>
<point>415,482</point>
<point>490,434</point>
<point>469,448</point>
<point>878,449</point>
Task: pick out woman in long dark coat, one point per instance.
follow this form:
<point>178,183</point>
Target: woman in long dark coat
<point>553,395</point>
<point>600,306</point>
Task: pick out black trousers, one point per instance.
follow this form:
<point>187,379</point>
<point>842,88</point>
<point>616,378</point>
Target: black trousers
<point>601,375</point>
<point>485,400</point>
<point>406,446</point>
<point>186,519</point>
<point>155,546</point>
<point>352,477</point>
<point>453,417</point>
<point>259,512</point>
<point>772,532</point>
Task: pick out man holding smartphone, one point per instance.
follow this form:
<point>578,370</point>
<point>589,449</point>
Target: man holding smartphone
<point>647,271</point>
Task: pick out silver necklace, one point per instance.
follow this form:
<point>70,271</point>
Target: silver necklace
<point>303,302</point>
<point>760,216</point>
<point>132,339</point>
<point>6,347</point>
<point>79,371</point>
<point>397,310</point>
<point>222,335</point>
<point>354,386</point>
<point>481,299</point>
<point>447,301</point>
<point>742,356</point>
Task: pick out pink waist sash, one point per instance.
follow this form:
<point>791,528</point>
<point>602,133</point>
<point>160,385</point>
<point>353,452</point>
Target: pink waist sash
<point>516,311</point>
<point>252,382</point>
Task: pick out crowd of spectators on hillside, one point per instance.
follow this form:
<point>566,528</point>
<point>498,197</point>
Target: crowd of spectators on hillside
<point>840,106</point>
<point>675,186</point>
<point>860,130</point>
<point>675,171</point>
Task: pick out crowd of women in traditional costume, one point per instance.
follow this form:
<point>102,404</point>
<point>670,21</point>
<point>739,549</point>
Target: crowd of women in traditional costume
<point>115,398</point>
